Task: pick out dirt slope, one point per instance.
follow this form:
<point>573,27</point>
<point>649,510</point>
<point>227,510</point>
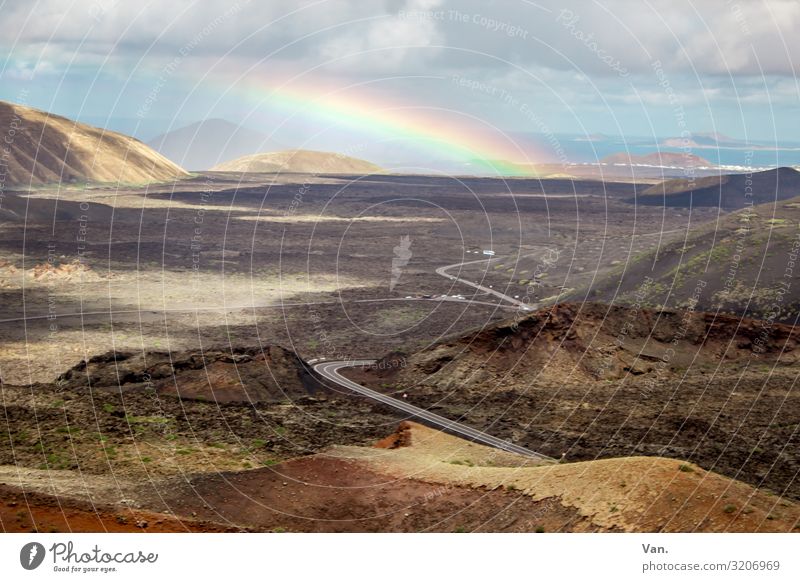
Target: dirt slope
<point>589,342</point>
<point>47,148</point>
<point>418,479</point>
<point>330,492</point>
<point>740,264</point>
<point>592,381</point>
<point>627,494</point>
<point>299,161</point>
<point>436,482</point>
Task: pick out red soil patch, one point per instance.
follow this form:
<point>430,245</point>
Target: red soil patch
<point>401,438</point>
<point>325,494</point>
<point>22,512</point>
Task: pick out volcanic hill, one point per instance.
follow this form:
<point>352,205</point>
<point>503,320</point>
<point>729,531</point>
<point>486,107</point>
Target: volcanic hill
<point>299,161</point>
<point>43,148</point>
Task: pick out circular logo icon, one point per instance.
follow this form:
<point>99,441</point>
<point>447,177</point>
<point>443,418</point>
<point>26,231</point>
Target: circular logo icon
<point>31,555</point>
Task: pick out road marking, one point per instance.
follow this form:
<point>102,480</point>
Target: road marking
<point>330,371</point>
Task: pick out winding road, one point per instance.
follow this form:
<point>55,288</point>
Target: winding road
<point>443,272</point>
<point>330,371</point>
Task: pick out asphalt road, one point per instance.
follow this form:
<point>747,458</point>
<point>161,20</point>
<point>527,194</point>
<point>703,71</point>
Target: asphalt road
<point>330,371</point>
<point>443,272</point>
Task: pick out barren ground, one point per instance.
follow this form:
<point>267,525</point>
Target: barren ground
<point>311,264</point>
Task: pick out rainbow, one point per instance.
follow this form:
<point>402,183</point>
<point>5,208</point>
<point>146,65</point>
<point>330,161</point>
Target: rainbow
<point>442,132</point>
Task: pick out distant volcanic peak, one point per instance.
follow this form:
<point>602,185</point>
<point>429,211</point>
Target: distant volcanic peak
<point>299,161</point>
<point>203,144</point>
<point>194,129</point>
<point>48,148</point>
<point>718,138</point>
<point>703,140</point>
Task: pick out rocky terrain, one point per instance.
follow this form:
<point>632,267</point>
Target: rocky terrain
<point>154,347</point>
<point>413,480</point>
<point>591,381</point>
<point>257,374</point>
<point>743,263</point>
<point>160,413</point>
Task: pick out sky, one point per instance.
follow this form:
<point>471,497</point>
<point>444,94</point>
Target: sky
<point>496,79</point>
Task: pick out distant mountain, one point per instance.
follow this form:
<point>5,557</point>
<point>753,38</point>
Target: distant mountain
<point>704,140</point>
<point>728,192</point>
<point>204,144</point>
<point>46,148</point>
<point>299,161</point>
<point>676,159</point>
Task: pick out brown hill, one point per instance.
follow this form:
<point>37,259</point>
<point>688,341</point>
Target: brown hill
<point>728,192</point>
<point>258,374</point>
<point>433,482</point>
<point>201,145</point>
<point>621,494</point>
<point>299,161</point>
<point>595,381</point>
<point>592,341</point>
<point>676,159</point>
<point>46,148</point>
<point>437,482</point>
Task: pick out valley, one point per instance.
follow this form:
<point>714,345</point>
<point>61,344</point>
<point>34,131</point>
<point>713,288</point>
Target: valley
<point>170,332</point>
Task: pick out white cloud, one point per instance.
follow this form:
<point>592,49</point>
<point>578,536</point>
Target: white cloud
<point>713,54</point>
<point>393,36</point>
<point>739,37</point>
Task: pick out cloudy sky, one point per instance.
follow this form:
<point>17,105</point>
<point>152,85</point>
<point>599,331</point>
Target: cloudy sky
<point>343,68</point>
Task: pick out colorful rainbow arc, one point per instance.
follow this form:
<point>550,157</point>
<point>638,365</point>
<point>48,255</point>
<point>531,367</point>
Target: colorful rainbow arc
<point>441,132</point>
